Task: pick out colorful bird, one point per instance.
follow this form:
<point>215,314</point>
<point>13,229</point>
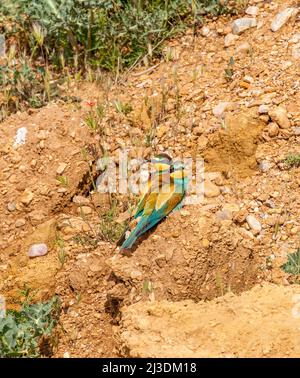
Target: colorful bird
<point>162,196</point>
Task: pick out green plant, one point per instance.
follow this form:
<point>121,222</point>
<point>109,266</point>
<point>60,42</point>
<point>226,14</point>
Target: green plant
<point>23,85</point>
<point>109,229</point>
<point>63,180</point>
<point>57,40</point>
<point>95,115</point>
<point>84,239</point>
<point>147,287</point>
<point>292,266</point>
<point>23,332</point>
<point>123,108</point>
<point>61,252</point>
<point>92,122</point>
<point>293,160</point>
<point>106,33</point>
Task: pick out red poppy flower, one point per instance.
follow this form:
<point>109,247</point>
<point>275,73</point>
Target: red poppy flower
<point>91,103</point>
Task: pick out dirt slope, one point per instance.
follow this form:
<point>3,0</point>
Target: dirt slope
<point>189,105</point>
<point>262,322</point>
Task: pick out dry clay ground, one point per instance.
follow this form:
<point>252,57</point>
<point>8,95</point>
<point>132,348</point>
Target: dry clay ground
<point>173,296</point>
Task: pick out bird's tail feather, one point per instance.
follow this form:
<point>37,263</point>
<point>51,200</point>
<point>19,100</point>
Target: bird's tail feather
<point>136,233</point>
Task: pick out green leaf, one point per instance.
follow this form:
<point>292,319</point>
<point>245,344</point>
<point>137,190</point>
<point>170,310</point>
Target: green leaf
<point>20,330</point>
<point>292,266</point>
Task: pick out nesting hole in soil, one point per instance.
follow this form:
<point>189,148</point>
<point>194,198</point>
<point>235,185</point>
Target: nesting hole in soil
<point>112,307</point>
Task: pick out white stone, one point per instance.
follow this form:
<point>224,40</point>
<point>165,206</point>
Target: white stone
<point>219,109</point>
<point>282,18</point>
<point>20,137</point>
<point>254,224</point>
<point>205,31</point>
<point>37,250</point>
<point>264,166</point>
<point>263,109</point>
<point>252,11</point>
<point>242,24</point>
<point>61,167</point>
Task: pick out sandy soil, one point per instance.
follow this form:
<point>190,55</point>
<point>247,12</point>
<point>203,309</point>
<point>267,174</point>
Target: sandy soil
<point>178,282</point>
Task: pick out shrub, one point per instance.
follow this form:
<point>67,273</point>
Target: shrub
<point>21,331</point>
<point>292,266</point>
<point>106,33</point>
<point>293,160</point>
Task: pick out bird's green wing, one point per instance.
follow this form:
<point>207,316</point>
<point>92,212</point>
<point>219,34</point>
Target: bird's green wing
<point>159,206</point>
<point>153,185</point>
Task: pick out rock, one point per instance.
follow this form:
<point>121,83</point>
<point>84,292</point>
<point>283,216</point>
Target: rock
<point>273,129</point>
<point>296,131</point>
<point>20,222</point>
<point>295,38</point>
<point>282,18</point>
<point>285,65</point>
<point>80,200</point>
<point>240,216</point>
<point>263,109</point>
<point>11,206</point>
<point>232,207</point>
<point>254,224</point>
<point>84,210</point>
<point>219,109</point>
<point>264,165</point>
<point>205,31</point>
<point>252,11</point>
<point>296,51</point>
<point>185,213</point>
<point>37,216</point>
<point>136,275</point>
<point>37,250</point>
<point>42,135</point>
<point>246,234</point>
<point>198,131</point>
<point>270,204</point>
<point>61,167</point>
<point>279,115</point>
<point>16,158</point>
<point>202,142</point>
<point>230,39</point>
<point>211,190</point>
<point>20,137</point>
<point>224,215</point>
<point>243,47</point>
<point>242,24</point>
<point>248,79</point>
<point>72,226</point>
<point>27,197</point>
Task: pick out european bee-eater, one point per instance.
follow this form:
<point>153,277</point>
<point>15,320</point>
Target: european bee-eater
<point>161,197</point>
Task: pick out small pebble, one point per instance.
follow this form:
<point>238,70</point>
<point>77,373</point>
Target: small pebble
<point>37,250</point>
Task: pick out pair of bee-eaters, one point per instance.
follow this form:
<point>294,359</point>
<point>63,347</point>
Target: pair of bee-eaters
<point>163,194</point>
